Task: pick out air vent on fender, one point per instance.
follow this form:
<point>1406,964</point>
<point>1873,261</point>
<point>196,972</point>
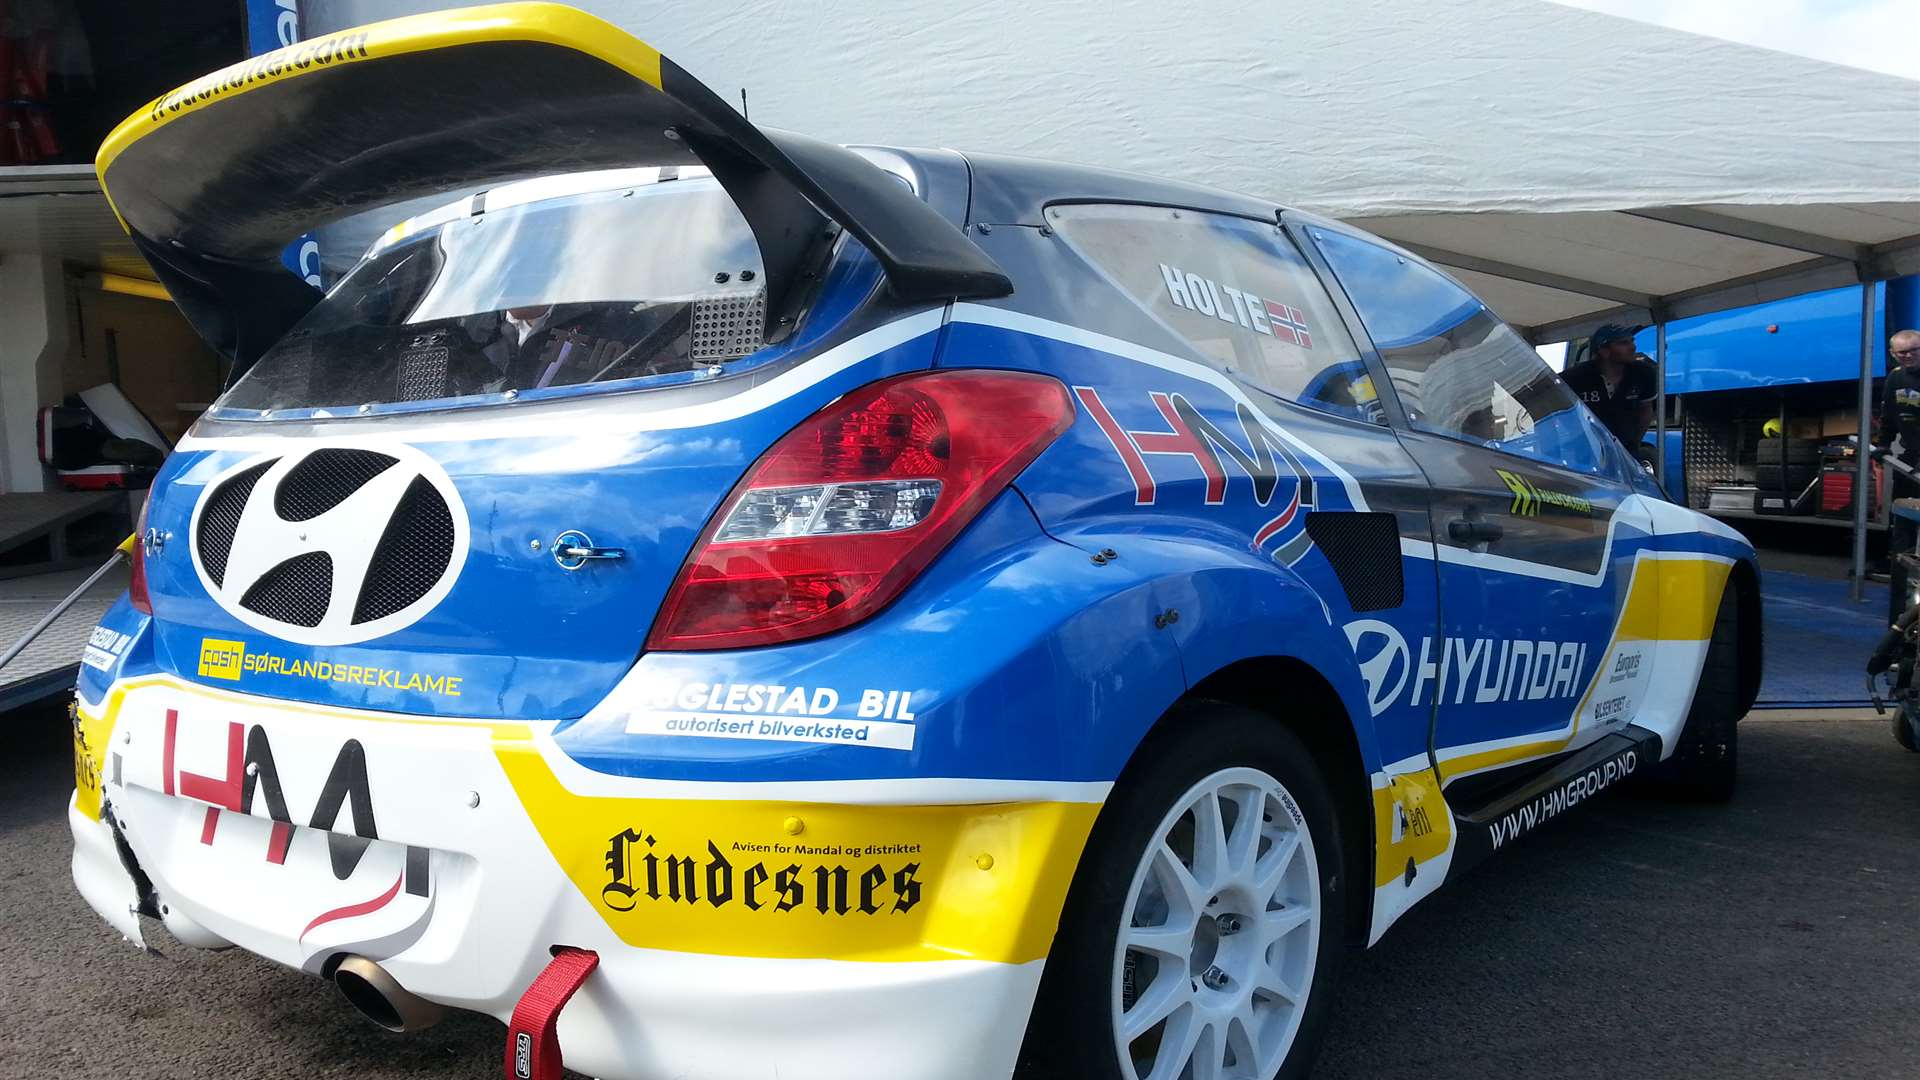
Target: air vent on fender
<point>1365,552</point>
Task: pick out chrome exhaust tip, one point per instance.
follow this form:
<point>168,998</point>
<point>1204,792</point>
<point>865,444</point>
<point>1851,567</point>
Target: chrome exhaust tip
<point>379,997</point>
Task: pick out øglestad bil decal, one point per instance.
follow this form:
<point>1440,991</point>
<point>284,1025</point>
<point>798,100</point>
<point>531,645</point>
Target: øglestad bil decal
<point>816,714</point>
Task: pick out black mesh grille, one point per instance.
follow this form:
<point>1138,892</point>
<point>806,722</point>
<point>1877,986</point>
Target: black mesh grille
<point>1365,552</point>
<point>324,480</point>
<point>221,517</point>
<point>296,591</point>
<point>423,373</point>
<point>412,555</point>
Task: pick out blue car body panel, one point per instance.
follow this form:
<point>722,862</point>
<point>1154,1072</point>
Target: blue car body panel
<point>1066,620</point>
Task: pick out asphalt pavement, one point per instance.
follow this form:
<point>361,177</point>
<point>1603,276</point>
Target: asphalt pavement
<point>1772,937</point>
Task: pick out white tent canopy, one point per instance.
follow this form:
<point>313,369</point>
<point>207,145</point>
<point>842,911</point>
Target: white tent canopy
<point>1572,167</point>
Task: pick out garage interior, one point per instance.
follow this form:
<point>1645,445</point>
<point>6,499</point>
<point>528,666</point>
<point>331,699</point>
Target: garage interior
<point>79,307</point>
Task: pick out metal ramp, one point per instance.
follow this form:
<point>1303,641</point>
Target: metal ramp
<point>50,664</point>
<point>60,530</point>
<point>49,543</point>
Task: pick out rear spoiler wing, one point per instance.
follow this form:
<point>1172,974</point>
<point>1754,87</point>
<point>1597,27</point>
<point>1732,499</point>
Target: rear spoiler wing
<point>214,179</point>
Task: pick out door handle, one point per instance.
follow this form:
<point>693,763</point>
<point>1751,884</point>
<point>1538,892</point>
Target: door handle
<point>572,549</point>
<point>1474,531</point>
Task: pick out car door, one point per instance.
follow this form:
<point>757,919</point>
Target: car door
<point>1238,295</point>
<point>1536,534</point>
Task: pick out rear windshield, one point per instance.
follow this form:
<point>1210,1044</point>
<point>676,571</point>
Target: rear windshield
<point>587,288</point>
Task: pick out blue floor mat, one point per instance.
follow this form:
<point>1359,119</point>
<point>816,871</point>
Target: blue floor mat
<point>1817,640</point>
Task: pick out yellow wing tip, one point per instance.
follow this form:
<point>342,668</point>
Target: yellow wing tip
<point>523,20</point>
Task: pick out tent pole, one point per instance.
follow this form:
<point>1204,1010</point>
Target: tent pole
<point>1862,460</point>
<point>1660,408</point>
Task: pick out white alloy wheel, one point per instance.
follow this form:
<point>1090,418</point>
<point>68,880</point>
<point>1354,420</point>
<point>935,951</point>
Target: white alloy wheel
<point>1219,935</point>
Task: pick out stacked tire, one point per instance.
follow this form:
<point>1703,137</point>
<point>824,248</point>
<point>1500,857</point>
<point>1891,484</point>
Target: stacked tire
<point>1787,464</point>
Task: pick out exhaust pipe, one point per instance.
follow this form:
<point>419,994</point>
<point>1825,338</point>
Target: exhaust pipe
<point>380,998</point>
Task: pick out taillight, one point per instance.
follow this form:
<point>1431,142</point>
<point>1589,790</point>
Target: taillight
<point>137,581</point>
<point>845,510</point>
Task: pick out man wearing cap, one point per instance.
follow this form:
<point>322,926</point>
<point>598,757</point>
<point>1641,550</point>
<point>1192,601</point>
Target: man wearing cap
<point>1900,398</point>
<point>1617,386</point>
<point>1900,416</point>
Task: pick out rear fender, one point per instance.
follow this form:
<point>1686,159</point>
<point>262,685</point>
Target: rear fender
<point>1223,606</point>
<point>1014,657</point>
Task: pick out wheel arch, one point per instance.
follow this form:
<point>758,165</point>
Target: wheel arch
<point>1320,720</point>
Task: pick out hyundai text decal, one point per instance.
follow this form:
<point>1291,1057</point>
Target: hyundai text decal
<point>1458,670</point>
<point>1193,436</point>
<point>1238,306</point>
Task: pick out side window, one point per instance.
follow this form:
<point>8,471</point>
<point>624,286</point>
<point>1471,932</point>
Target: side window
<point>1458,369</point>
<point>1237,290</point>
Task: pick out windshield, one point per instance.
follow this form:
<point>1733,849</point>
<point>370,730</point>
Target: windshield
<point>591,287</point>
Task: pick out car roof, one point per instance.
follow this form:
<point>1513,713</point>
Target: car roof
<point>1016,189</point>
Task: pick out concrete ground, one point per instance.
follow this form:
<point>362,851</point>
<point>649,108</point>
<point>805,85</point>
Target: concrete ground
<point>1773,937</point>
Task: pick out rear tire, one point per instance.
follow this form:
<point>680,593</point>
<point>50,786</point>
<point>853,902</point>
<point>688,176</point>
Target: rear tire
<point>1226,949</point>
<point>1705,762</point>
<point>1903,727</point>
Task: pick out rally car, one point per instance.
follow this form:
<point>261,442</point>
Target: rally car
<point>733,605</point>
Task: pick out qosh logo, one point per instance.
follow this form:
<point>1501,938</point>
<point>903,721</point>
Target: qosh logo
<point>335,545</point>
<point>1276,472</point>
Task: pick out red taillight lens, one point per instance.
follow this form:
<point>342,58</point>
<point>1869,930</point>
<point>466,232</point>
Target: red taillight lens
<point>137,581</point>
<point>846,509</point>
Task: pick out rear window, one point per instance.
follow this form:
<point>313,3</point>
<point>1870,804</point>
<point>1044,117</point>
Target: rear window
<point>1238,291</point>
<point>594,287</point>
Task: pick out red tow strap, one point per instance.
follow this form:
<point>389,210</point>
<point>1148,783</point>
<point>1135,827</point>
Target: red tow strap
<point>533,1049</point>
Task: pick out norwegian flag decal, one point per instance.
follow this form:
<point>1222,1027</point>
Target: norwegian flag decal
<point>1289,324</point>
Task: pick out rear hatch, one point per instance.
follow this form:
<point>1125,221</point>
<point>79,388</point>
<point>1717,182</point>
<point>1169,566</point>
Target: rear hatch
<point>463,481</point>
<point>391,509</point>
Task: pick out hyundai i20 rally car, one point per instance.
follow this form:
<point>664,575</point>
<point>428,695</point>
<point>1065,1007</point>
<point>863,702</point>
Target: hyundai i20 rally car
<point>731,605</point>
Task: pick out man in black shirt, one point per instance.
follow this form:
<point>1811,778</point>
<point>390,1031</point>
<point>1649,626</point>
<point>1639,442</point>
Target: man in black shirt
<point>1617,386</point>
<point>1900,400</point>
<point>1900,416</point>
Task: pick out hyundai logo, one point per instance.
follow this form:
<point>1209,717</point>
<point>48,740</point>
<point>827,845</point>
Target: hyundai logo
<point>330,545</point>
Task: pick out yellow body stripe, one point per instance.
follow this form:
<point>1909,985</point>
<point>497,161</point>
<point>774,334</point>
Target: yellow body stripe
<point>756,877</point>
<point>541,23</point>
<point>1668,599</point>
<point>1429,824</point>
<point>874,883</point>
<point>1677,603</point>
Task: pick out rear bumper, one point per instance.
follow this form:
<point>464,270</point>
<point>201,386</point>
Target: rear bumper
<point>650,1013</point>
<point>742,931</point>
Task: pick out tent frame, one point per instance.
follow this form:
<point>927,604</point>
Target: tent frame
<point>1832,263</point>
